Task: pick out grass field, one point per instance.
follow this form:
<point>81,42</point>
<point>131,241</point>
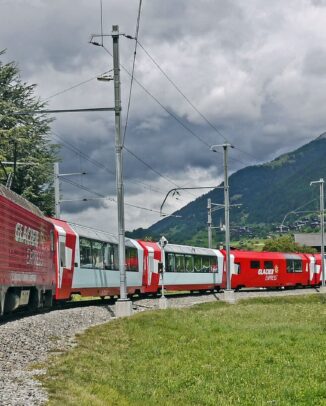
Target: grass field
<point>258,352</point>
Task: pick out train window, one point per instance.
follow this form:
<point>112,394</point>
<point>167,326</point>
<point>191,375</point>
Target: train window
<point>62,254</point>
<point>179,263</point>
<point>205,264</point>
<point>293,265</point>
<point>254,264</point>
<point>189,263</point>
<point>97,255</point>
<point>237,268</point>
<point>85,250</point>
<point>268,265</point>
<point>213,262</point>
<point>170,262</point>
<point>131,259</point>
<point>113,257</point>
<point>106,256</point>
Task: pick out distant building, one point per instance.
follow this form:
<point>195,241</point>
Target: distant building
<point>309,239</point>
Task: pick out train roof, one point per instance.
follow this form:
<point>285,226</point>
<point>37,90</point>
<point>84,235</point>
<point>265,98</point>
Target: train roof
<point>20,201</point>
<point>98,235</point>
<point>264,255</point>
<point>187,249</point>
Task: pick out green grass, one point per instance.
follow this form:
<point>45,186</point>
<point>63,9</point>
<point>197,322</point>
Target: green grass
<point>258,352</point>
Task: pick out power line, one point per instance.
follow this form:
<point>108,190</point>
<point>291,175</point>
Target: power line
<point>219,132</point>
<point>162,106</point>
<point>182,93</point>
<point>104,197</point>
<point>132,71</point>
<point>153,169</point>
<point>98,164</point>
<point>76,85</point>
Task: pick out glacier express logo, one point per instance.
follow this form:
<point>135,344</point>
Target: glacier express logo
<point>270,274</point>
<point>26,235</point>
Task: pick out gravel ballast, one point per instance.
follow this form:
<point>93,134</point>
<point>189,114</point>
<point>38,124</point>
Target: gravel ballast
<point>29,341</point>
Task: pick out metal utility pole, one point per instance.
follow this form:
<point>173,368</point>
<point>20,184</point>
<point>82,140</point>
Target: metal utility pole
<point>229,294</point>
<point>322,217</point>
<point>209,222</point>
<point>227,216</point>
<point>163,303</point>
<point>56,191</point>
<point>123,308</point>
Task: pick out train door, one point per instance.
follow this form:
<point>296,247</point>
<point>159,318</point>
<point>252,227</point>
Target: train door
<point>297,270</point>
<point>314,269</point>
<point>65,247</point>
<point>61,258</point>
<point>153,274</point>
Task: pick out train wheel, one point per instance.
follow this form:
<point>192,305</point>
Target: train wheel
<point>47,299</point>
<point>34,300</point>
<point>11,300</point>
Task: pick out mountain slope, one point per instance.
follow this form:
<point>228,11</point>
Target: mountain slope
<point>266,193</point>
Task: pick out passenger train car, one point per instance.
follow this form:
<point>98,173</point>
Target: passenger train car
<point>87,262</point>
<point>44,259</point>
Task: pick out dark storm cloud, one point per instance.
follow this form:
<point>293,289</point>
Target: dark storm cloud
<point>254,69</point>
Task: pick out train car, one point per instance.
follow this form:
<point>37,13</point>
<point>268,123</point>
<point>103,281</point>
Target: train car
<point>27,274</point>
<point>186,267</point>
<point>251,269</point>
<point>87,262</point>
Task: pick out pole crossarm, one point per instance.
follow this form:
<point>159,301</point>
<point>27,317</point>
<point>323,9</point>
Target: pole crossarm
<point>92,109</point>
<point>295,211</point>
<point>185,188</point>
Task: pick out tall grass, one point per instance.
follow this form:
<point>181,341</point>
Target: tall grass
<point>257,352</point>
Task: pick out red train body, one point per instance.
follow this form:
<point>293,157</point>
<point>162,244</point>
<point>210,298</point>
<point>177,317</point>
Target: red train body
<point>43,259</point>
<point>27,272</point>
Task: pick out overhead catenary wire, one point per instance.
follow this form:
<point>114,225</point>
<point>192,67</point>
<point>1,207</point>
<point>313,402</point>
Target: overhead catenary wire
<point>219,132</point>
<point>182,93</point>
<point>200,139</point>
<point>76,85</point>
<point>162,106</point>
<point>132,71</point>
<point>98,164</point>
<point>103,197</point>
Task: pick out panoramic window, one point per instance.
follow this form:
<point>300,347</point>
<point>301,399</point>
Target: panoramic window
<point>179,263</point>
<point>97,254</point>
<point>189,263</point>
<point>197,263</point>
<point>169,262</point>
<point>85,251</point>
<point>206,265</point>
<point>102,255</point>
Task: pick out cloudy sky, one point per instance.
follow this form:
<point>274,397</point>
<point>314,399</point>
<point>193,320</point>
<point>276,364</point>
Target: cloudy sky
<point>254,70</point>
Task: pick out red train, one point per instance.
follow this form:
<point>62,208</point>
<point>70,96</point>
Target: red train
<point>42,259</point>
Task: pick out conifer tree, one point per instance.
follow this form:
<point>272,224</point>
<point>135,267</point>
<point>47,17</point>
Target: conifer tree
<point>24,140</point>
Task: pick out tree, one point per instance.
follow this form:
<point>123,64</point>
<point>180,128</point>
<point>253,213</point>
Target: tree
<point>24,140</point>
<point>286,243</point>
